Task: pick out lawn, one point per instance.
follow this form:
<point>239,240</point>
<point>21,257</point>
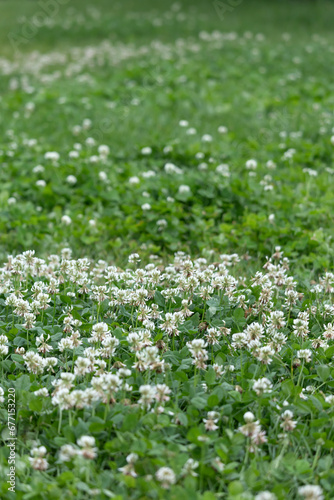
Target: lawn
<point>166,253</point>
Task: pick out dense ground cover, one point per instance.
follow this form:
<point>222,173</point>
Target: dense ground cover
<point>197,128</point>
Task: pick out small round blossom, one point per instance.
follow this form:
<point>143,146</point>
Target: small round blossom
<point>103,150</point>
<point>161,223</point>
<point>189,468</point>
<point>251,164</point>
<point>71,179</point>
<point>183,189</point>
<point>103,176</point>
<point>265,495</point>
<point>52,155</point>
<point>288,424</point>
<point>38,169</point>
<point>87,445</point>
<point>262,385</point>
<point>37,460</point>
<point>311,492</point>
<point>305,354</point>
<point>67,452</point>
<point>146,151</point>
<point>166,477</point>
<point>249,417</point>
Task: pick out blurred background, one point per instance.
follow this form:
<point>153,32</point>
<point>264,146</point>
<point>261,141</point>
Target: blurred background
<point>62,22</point>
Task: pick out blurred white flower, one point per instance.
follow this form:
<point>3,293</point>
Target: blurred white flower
<point>71,179</point>
<point>146,151</point>
<point>52,155</point>
<point>66,220</point>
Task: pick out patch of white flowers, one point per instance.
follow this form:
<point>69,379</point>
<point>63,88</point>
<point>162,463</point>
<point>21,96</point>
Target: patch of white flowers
<point>154,306</point>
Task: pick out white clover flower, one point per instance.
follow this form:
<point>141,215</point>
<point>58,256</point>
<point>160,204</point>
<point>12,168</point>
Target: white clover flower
<point>103,176</point>
<point>134,258</point>
<point>207,138</point>
<point>305,354</point>
<point>11,200</point>
<point>86,441</point>
<point>251,164</point>
<point>38,169</point>
<point>218,464</point>
<point>262,385</point>
<point>73,154</point>
<point>66,220</point>
<point>311,492</point>
<point>189,468</point>
<point>166,477</point>
<point>42,392</point>
<point>148,174</point>
<point>183,123</point>
<point>87,445</point>
<point>52,155</point>
<point>199,155</point>
<point>36,460</point>
<point>67,452</point>
<point>249,417</point>
<point>223,170</point>
<point>183,189</point>
<point>76,130</point>
<point>129,469</point>
<point>191,131</point>
<point>265,495</point>
<point>288,424</point>
<point>170,168</point>
<point>146,206</point>
<point>86,124</point>
<point>103,150</point>
<point>161,223</point>
<point>132,458</point>
<point>148,394</point>
<point>41,183</point>
<point>271,165</point>
<point>146,151</point>
<point>222,129</point>
<point>311,172</point>
<point>3,350</point>
<point>134,180</point>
